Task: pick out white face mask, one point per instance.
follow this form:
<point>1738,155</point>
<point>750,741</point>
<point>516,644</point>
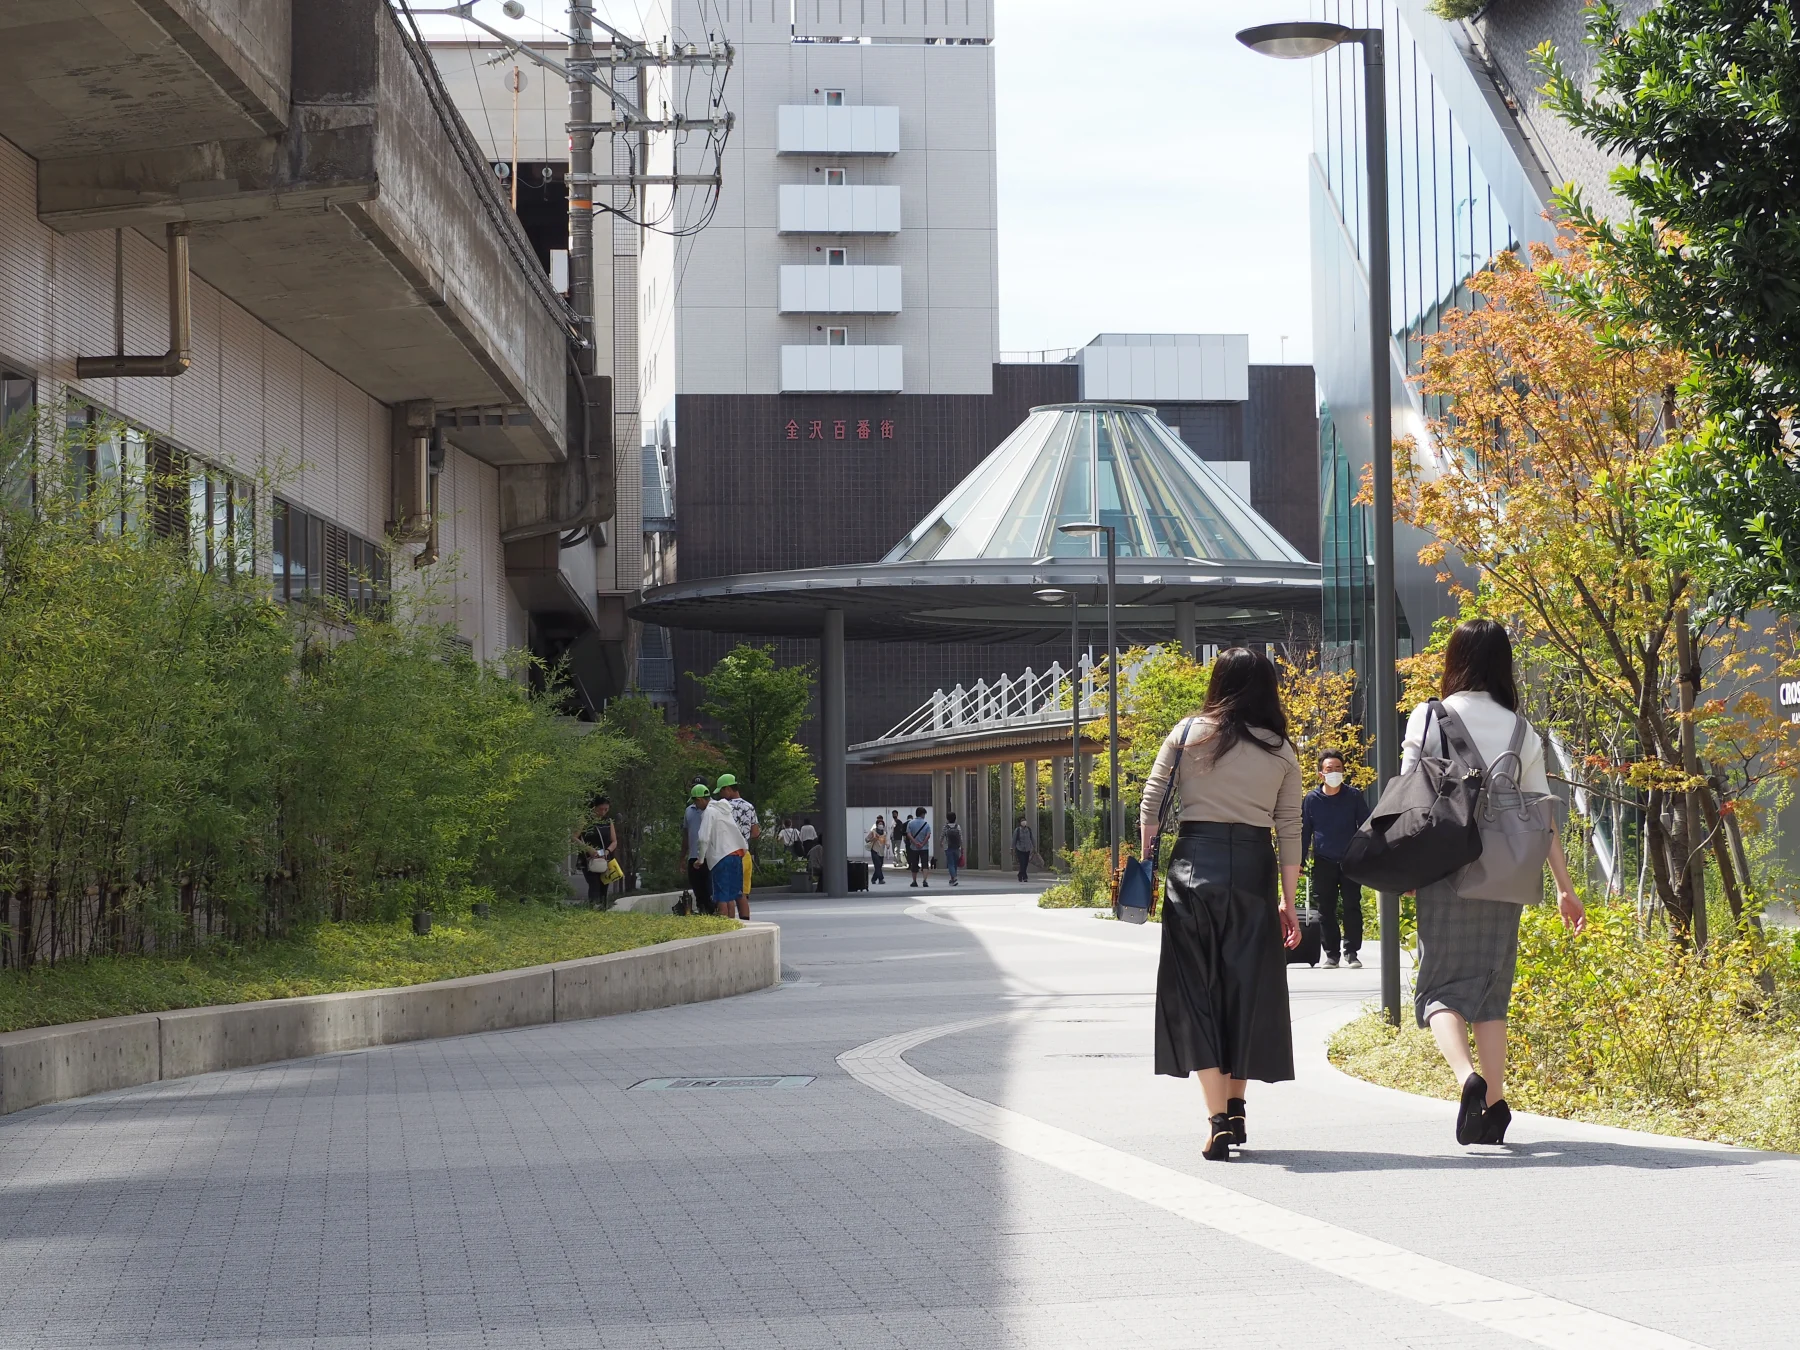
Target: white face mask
<point>1334,779</point>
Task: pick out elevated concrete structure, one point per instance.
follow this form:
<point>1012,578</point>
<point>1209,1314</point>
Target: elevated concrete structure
<point>331,190</point>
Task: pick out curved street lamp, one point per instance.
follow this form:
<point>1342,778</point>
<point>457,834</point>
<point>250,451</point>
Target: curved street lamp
<point>1055,595</point>
<point>1115,816</point>
<point>1295,42</point>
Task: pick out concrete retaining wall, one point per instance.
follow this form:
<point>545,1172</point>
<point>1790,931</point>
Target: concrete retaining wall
<point>51,1064</point>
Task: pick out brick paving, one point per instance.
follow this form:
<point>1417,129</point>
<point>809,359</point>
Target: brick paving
<point>507,1190</point>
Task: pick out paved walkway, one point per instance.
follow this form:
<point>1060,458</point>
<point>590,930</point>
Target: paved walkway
<point>982,1158</point>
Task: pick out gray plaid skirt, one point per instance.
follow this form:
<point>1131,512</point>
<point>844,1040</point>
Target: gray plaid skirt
<point>1468,952</point>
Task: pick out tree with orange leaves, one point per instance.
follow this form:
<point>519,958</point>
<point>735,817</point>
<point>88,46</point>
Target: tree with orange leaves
<point>1543,476</point>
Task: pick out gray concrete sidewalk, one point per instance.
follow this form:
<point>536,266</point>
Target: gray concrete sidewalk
<point>516,1189</point>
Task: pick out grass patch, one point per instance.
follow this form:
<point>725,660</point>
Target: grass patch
<point>330,959</point>
<point>1753,1096</point>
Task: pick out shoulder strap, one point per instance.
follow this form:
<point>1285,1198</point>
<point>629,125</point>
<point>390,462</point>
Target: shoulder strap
<point>1460,740</point>
<point>1162,813</point>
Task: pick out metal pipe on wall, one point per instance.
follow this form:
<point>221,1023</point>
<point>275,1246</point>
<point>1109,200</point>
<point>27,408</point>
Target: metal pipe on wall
<point>180,353</point>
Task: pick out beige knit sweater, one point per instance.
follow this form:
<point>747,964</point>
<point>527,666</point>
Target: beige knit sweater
<point>1248,785</point>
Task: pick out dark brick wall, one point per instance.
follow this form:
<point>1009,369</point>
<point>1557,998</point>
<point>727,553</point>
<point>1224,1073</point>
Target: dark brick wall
<point>750,499</point>
<point>1281,441</point>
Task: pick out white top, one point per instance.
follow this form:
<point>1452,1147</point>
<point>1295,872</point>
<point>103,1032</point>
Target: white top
<point>719,833</point>
<point>808,833</point>
<point>1491,727</point>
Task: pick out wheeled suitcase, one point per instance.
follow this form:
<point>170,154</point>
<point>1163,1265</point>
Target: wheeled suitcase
<point>1306,952</point>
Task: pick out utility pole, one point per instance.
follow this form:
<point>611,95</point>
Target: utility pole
<point>581,174</point>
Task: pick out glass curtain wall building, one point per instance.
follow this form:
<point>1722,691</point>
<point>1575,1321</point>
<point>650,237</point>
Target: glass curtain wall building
<point>1458,194</point>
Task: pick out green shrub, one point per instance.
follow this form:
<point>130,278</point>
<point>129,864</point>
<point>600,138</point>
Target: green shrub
<point>183,759</point>
<point>1090,881</point>
<point>1452,10</point>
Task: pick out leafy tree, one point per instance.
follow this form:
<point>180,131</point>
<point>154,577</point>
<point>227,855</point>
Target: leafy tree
<point>1702,99</point>
<point>1161,688</point>
<point>649,802</point>
<point>1318,704</point>
<point>759,706</point>
<point>1542,477</point>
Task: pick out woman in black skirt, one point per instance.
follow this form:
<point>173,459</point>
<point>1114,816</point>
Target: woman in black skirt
<point>1221,989</point>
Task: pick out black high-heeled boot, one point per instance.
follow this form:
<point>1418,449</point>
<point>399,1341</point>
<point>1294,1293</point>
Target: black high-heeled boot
<point>1218,1144</point>
<point>1234,1112</point>
<point>1471,1109</point>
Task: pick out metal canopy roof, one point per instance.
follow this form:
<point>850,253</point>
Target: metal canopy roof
<point>1116,463</point>
<point>967,572</point>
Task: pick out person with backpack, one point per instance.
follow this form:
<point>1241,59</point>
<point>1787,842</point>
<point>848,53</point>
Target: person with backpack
<point>1221,983</point>
<point>1024,843</point>
<point>1469,943</point>
<point>918,846</point>
<point>953,847</point>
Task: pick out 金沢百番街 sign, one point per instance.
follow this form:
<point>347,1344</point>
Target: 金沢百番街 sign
<point>841,429</point>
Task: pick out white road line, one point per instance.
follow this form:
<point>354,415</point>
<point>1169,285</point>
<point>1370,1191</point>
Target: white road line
<point>1492,1303</point>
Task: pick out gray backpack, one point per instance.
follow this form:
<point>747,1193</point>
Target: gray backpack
<point>1516,830</point>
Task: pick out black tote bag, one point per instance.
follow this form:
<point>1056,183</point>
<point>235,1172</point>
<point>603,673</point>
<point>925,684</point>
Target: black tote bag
<point>1425,826</point>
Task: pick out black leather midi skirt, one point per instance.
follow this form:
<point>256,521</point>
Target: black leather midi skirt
<point>1221,988</point>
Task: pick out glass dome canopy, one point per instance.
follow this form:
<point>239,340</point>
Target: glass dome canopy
<point>1116,463</point>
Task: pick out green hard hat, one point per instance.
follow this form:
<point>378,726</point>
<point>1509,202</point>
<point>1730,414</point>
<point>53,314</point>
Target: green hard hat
<point>700,790</point>
<point>726,780</point>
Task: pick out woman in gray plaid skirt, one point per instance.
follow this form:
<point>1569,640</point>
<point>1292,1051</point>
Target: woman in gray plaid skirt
<point>1469,949</point>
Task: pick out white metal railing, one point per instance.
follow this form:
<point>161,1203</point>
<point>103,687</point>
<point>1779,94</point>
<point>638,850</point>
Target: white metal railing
<point>1033,699</point>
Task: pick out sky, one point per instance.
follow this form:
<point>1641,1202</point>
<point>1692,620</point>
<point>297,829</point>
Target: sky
<point>1152,172</point>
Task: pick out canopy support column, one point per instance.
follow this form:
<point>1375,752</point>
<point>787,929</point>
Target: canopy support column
<point>1031,805</point>
<point>1058,772</point>
<point>1184,629</point>
<point>834,749</point>
<point>980,834</point>
<point>940,804</point>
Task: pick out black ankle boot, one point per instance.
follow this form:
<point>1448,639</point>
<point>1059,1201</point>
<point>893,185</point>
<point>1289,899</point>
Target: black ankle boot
<point>1234,1112</point>
<point>1473,1108</point>
<point>1494,1123</point>
<point>1218,1144</point>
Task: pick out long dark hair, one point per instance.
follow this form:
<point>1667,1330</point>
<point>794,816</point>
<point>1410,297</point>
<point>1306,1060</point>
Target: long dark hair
<point>1241,693</point>
<point>1480,659</point>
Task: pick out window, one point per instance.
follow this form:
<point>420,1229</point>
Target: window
<point>837,337</point>
<point>834,98</point>
<point>138,480</point>
<point>834,178</point>
<point>317,561</point>
<point>836,257</point>
<point>17,397</point>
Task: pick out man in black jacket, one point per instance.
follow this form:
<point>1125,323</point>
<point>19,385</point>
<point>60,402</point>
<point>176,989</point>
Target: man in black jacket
<point>1329,817</point>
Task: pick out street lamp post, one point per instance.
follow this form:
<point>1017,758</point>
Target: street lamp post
<point>1114,815</point>
<point>1297,41</point>
<point>1055,595</point>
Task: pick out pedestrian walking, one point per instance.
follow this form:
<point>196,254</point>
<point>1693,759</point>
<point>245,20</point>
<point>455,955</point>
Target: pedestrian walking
<point>1221,984</point>
<point>1468,947</point>
<point>599,844</point>
<point>789,836</point>
<point>744,815</point>
<point>1023,842</point>
<point>897,840</point>
<point>1328,820</point>
<point>918,846</point>
<point>699,877</point>
<point>815,865</point>
<point>953,847</point>
<point>722,852</point>
<point>808,837</point>
<point>877,841</point>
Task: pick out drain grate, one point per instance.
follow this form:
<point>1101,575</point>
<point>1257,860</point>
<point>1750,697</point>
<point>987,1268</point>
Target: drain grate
<point>737,1084</point>
<point>1106,1054</point>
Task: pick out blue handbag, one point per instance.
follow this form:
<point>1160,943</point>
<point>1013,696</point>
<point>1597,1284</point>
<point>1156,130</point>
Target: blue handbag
<point>1134,890</point>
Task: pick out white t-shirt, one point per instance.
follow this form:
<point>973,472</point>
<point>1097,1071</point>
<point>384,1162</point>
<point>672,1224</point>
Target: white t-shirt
<point>1491,727</point>
<point>789,836</point>
<point>808,834</point>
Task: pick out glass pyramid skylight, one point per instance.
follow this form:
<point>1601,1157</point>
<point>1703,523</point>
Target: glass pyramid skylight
<point>1111,462</point>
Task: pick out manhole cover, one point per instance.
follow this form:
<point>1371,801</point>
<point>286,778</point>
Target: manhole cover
<point>1106,1054</point>
<point>786,1080</point>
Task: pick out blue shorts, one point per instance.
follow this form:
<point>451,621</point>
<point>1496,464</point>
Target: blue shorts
<point>728,880</point>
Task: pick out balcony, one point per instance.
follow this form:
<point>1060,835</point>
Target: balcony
<point>840,290</point>
<point>813,129</point>
<point>840,370</point>
<point>810,209</point>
